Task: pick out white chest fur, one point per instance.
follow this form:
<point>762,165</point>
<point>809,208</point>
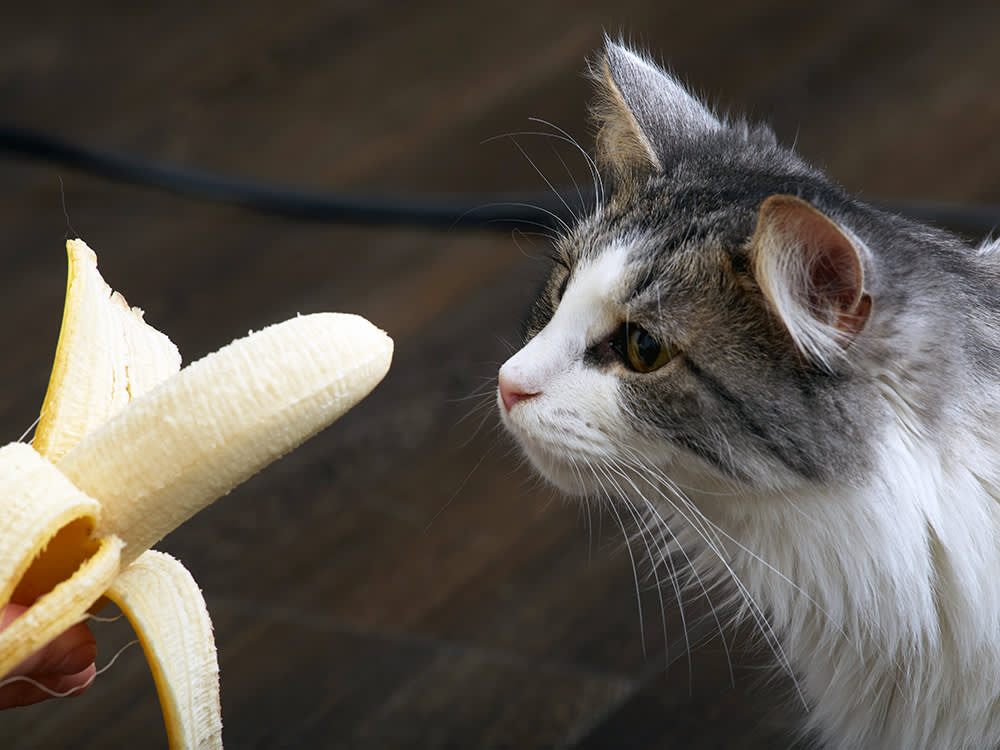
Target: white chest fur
<point>886,600</point>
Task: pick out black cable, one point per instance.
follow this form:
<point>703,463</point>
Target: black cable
<point>493,211</point>
<point>505,212</point>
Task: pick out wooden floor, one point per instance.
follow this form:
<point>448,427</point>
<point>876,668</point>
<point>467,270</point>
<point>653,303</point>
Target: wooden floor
<point>402,581</point>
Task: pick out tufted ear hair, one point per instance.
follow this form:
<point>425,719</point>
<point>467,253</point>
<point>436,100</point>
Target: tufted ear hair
<point>641,111</point>
<point>812,272</point>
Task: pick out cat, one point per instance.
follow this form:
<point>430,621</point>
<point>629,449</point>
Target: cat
<point>796,389</point>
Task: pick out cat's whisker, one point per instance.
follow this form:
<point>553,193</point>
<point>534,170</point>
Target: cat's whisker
<point>756,612</point>
<point>600,516</point>
<point>641,467</point>
<point>645,531</point>
<point>483,397</point>
<point>662,524</point>
<point>549,234</point>
<point>610,502</point>
<point>586,503</point>
<point>576,214</point>
<point>488,413</point>
<point>546,180</point>
<point>518,232</point>
<point>458,491</point>
<point>760,619</point>
<point>784,578</point>
<point>487,387</point>
<point>540,209</point>
<point>594,169</point>
<point>484,411</point>
<point>635,575</point>
<point>563,136</point>
<point>656,562</point>
<point>644,465</point>
<point>511,348</point>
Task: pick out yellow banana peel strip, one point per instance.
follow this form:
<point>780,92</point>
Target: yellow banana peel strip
<point>106,355</point>
<point>165,606</point>
<point>128,448</point>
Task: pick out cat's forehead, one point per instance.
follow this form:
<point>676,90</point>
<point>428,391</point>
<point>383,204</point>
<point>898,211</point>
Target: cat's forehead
<point>599,277</point>
<point>699,215</point>
<point>664,218</point>
<point>625,253</point>
<point>713,188</point>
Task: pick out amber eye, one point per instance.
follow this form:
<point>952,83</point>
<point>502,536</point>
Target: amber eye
<point>645,353</point>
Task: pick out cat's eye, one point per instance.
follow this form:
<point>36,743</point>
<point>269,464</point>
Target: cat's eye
<point>645,353</point>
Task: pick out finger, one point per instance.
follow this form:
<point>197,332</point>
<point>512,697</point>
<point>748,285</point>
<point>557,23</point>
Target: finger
<point>10,612</point>
<point>68,654</point>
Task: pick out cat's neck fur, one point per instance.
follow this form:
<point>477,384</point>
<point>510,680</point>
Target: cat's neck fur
<point>887,604</point>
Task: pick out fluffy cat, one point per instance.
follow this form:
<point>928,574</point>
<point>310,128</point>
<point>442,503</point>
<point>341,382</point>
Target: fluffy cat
<point>798,390</point>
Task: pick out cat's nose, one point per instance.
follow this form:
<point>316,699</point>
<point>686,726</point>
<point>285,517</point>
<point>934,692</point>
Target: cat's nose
<point>511,392</point>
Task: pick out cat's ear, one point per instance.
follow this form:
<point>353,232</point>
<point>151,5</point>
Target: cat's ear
<point>641,111</point>
<point>812,272</point>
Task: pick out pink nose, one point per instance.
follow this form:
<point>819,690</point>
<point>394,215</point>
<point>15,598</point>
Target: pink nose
<point>511,393</point>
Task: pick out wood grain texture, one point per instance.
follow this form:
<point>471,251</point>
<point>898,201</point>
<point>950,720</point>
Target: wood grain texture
<point>402,580</point>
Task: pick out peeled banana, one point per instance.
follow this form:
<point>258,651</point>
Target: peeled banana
<point>129,446</point>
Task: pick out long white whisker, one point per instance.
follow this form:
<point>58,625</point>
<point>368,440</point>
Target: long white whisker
<point>754,609</point>
<point>576,184</point>
<point>594,169</point>
<point>551,237</point>
<point>635,570</point>
<point>560,135</point>
<point>519,233</point>
<point>717,530</point>
<point>522,221</point>
<point>533,207</point>
<point>659,587</point>
<point>455,494</point>
<point>644,468</point>
<point>545,179</point>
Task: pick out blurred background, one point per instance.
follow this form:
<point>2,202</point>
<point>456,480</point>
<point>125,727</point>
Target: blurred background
<point>402,580</point>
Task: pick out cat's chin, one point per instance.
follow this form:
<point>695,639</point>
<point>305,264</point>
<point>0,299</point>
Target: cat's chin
<point>564,479</point>
<point>557,471</point>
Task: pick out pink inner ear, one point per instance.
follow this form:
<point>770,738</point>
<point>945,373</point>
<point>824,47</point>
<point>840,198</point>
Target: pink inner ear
<point>835,271</point>
<point>836,285</point>
<point>835,275</point>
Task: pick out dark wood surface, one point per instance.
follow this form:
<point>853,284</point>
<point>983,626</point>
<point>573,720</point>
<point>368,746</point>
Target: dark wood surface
<point>402,580</point>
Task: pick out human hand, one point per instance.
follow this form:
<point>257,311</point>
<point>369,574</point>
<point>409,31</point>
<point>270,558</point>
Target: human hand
<point>65,666</point>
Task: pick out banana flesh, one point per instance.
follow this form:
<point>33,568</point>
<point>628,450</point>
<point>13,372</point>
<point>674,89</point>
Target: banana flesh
<point>128,448</point>
<point>175,450</point>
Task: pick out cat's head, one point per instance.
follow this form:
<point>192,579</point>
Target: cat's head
<point>711,319</point>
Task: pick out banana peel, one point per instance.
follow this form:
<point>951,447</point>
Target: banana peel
<point>129,446</point>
